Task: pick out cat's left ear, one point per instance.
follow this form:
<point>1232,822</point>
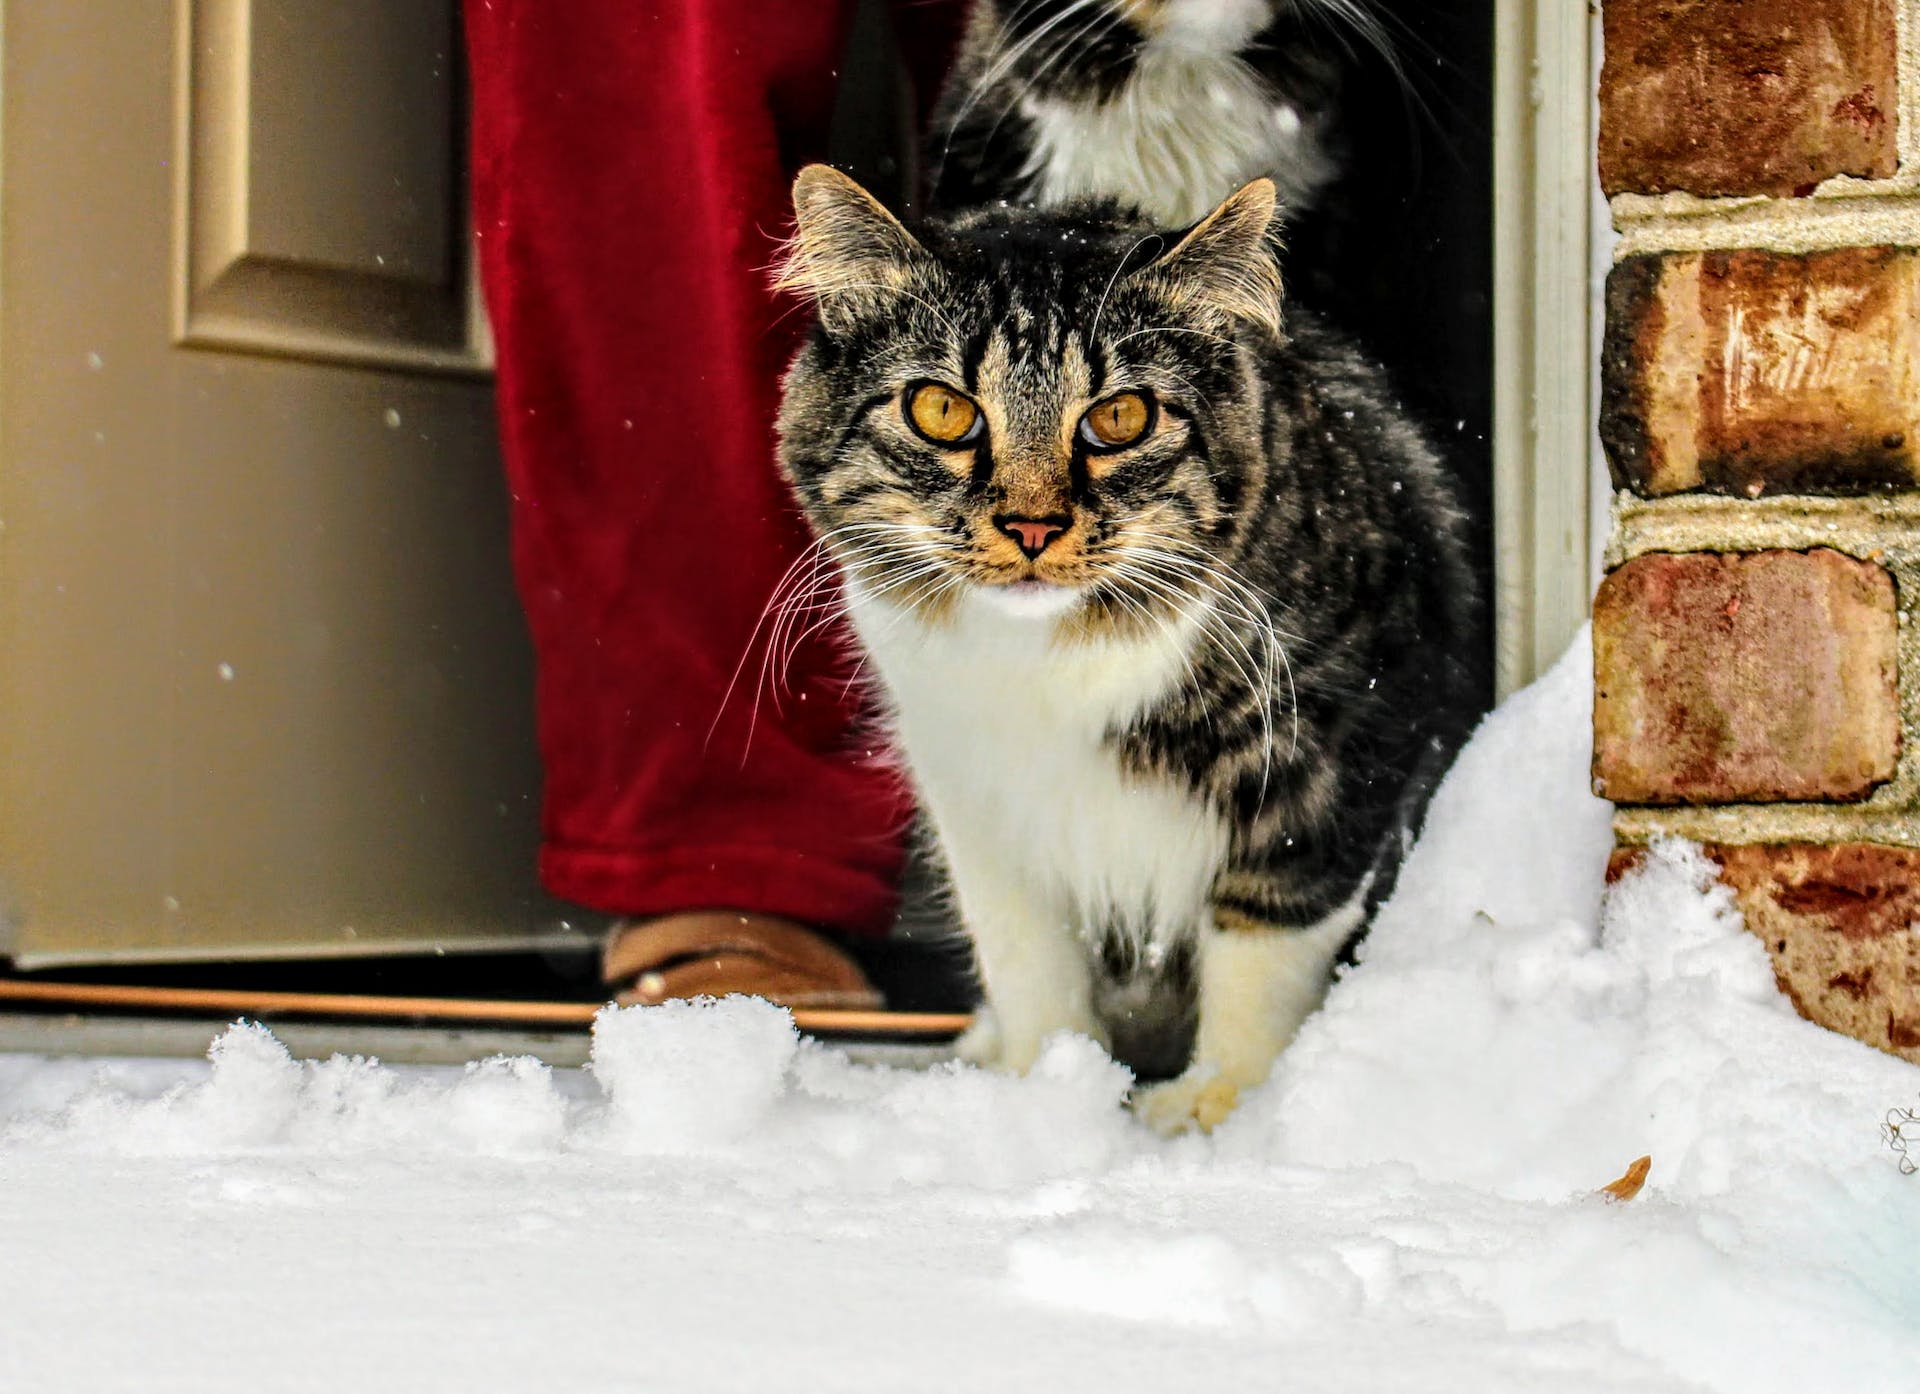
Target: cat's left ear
<point>849,255</point>
<point>1228,262</point>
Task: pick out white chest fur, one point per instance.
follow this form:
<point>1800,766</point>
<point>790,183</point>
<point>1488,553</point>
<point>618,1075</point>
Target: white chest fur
<point>1191,125</point>
<point>1005,732</point>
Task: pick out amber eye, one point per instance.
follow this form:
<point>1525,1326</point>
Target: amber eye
<point>1120,420</point>
<point>942,415</point>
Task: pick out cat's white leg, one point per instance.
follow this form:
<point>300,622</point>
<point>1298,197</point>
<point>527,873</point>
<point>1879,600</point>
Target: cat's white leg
<point>979,1044</point>
<point>1256,987</point>
<point>1031,963</point>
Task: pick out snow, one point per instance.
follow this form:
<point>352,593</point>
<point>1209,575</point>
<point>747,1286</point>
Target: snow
<point>719,1205</point>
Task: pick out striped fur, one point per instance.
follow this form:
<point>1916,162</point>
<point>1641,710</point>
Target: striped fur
<point>1173,758</point>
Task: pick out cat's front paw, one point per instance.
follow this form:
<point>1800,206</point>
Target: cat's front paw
<point>1200,1098</point>
<point>982,1043</point>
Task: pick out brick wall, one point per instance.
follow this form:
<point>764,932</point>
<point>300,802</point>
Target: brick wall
<point>1757,651</point>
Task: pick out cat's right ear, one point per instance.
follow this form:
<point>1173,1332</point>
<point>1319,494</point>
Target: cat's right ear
<point>848,255</point>
<point>1226,264</point>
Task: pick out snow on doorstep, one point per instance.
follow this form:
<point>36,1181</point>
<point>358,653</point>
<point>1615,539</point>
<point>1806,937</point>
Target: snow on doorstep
<point>718,1205</point>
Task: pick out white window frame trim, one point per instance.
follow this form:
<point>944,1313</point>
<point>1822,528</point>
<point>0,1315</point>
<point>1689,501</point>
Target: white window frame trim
<point>1544,321</point>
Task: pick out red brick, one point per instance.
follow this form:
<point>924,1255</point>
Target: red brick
<point>1839,925</point>
<point>1744,678</point>
<point>1746,96</point>
<point>1748,372</point>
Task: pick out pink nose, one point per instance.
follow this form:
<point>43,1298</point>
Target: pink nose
<point>1033,534</point>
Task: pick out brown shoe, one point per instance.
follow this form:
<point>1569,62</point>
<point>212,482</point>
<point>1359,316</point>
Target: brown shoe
<point>716,953</point>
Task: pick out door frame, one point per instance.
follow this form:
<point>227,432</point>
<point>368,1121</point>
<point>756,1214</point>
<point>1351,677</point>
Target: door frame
<point>1544,357</point>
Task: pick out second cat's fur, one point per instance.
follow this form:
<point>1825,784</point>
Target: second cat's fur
<point>1165,105</point>
<point>1169,604</point>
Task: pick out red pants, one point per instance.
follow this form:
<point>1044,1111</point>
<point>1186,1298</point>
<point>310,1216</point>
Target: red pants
<point>631,166</point>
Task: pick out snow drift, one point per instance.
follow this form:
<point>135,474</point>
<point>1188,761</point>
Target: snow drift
<point>718,1204</point>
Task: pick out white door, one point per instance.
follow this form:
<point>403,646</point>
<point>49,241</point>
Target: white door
<point>264,687</point>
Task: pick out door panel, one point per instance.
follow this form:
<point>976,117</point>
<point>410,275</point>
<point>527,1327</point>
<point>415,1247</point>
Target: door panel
<point>265,686</point>
<point>322,198</point>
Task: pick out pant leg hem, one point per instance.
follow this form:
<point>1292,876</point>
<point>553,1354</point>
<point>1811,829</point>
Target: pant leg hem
<point>787,882</point>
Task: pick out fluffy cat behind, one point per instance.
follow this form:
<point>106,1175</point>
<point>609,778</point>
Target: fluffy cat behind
<point>1166,105</point>
<point>1169,604</point>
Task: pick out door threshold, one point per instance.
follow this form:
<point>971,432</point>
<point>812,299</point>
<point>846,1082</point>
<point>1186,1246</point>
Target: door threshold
<point>121,1036</point>
<point>494,1012</point>
<point>62,1018</point>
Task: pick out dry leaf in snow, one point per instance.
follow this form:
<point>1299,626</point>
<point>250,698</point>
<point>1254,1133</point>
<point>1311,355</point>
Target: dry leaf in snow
<point>1629,1184</point>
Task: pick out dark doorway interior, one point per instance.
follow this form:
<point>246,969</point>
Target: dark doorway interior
<point>1400,254</point>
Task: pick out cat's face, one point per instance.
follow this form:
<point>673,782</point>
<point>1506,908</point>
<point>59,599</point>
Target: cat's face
<point>1041,412</point>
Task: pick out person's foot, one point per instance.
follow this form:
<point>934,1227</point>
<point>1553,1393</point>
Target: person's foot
<point>716,953</point>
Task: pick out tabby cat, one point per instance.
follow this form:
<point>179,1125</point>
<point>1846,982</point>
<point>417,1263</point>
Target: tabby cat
<point>1169,604</point>
<point>1166,105</point>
